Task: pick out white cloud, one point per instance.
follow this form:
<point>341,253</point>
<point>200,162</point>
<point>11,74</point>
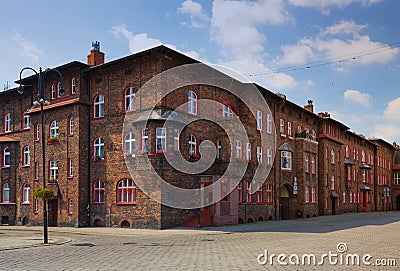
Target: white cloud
<point>140,42</point>
<point>388,125</point>
<point>198,17</point>
<point>27,48</point>
<point>357,97</point>
<point>354,50</point>
<point>324,4</point>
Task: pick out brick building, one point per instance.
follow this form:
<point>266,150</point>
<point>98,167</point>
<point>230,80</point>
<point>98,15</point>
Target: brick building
<point>317,167</point>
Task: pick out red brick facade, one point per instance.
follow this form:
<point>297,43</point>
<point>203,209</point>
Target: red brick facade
<point>318,166</point>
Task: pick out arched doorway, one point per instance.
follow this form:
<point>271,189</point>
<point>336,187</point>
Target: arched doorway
<point>284,203</point>
<point>398,203</point>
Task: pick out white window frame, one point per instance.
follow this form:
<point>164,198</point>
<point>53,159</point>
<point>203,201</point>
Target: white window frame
<point>333,185</point>
<point>269,123</point>
<point>288,156</point>
<point>161,139</point>
<point>306,194</point>
<point>192,145</point>
<point>25,193</point>
<point>259,120</point>
<point>53,91</point>
<point>248,192</point>
<point>98,106</point>
<point>130,99</point>
<point>6,157</point>
<point>129,144</point>
<point>332,156</point>
<point>239,149</point>
<point>192,102</point>
<point>282,126</point>
<point>98,147</point>
<point>58,90</point>
<point>289,129</point>
<point>98,192</point>
<point>269,157</point>
<point>37,132</point>
<point>259,155</point>
<point>396,179</point>
<point>73,86</point>
<point>306,163</point>
<point>248,151</point>
<point>313,166</point>
<point>7,123</point>
<point>36,170</point>
<point>54,129</point>
<point>176,139</point>
<point>70,168</point>
<point>36,206</point>
<point>53,170</point>
<point>219,149</point>
<point>27,121</point>
<point>6,193</point>
<point>27,156</point>
<point>313,195</point>
<point>71,126</point>
<point>227,111</point>
<point>145,140</point>
<point>70,206</point>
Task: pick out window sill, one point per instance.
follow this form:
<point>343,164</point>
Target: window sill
<point>125,203</point>
<point>97,118</point>
<point>286,170</point>
<point>26,203</point>
<point>98,203</point>
<point>99,160</point>
<point>24,129</point>
<point>70,177</point>
<point>7,203</point>
<point>6,167</point>
<point>26,166</point>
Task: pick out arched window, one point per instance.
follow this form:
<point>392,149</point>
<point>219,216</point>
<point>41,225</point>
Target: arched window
<point>192,146</point>
<point>54,130</point>
<point>192,103</point>
<point>25,195</point>
<point>73,86</point>
<point>26,156</point>
<point>6,193</point>
<point>7,123</point>
<point>98,150</point>
<point>129,143</point>
<point>98,106</point>
<point>130,100</point>
<point>6,157</point>
<point>98,192</point>
<point>126,191</point>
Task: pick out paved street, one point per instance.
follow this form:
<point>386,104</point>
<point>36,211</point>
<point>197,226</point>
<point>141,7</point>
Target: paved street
<point>217,248</point>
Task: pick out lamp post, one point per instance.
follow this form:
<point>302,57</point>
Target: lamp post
<point>42,101</point>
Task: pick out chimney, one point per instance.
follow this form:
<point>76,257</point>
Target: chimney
<point>309,107</point>
<point>95,57</point>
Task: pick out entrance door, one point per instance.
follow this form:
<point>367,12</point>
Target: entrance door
<point>53,212</point>
<point>206,213</point>
<point>284,203</point>
<point>334,206</point>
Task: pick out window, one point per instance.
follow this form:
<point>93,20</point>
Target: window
<point>70,206</point>
<point>6,157</point>
<point>161,140</point>
<point>53,170</point>
<point>269,157</point>
<point>73,86</point>
<point>248,192</point>
<point>58,90</point>
<point>192,146</point>
<point>306,194</point>
<point>224,191</point>
<point>219,149</point>
<point>7,123</point>
<point>6,193</point>
<point>36,210</point>
<point>37,132</point>
<point>129,144</point>
<point>289,128</point>
<point>248,151</point>
<point>259,120</point>
<point>259,155</point>
<point>397,178</point>
<point>71,127</point>
<point>98,149</point>
<point>269,123</point>
<point>313,135</point>
<point>363,156</point>
<point>26,156</point>
<point>192,103</point>
<point>347,151</point>
<point>227,111</point>
<point>351,197</point>
<point>313,171</point>
<point>176,140</point>
<point>145,140</point>
<point>306,164</point>
<point>36,171</point>
<point>98,107</point>
<point>126,191</point>
<point>130,99</point>
<point>260,196</point>
<point>27,121</point>
<point>313,195</point>
<point>270,193</point>
<point>286,160</point>
<point>239,153</point>
<point>333,182</point>
<point>25,193</point>
<point>240,192</point>
<point>344,196</point>
<point>282,126</point>
<point>53,91</point>
<point>70,168</point>
<point>98,192</point>
<point>332,157</point>
<point>54,130</point>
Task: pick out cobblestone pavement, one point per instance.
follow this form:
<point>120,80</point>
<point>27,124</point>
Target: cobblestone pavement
<point>217,248</point>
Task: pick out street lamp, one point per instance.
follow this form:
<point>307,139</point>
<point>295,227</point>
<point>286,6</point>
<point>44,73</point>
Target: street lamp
<point>42,101</point>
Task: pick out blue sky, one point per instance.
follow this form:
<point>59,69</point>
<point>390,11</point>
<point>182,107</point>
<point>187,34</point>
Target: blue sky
<point>342,54</point>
